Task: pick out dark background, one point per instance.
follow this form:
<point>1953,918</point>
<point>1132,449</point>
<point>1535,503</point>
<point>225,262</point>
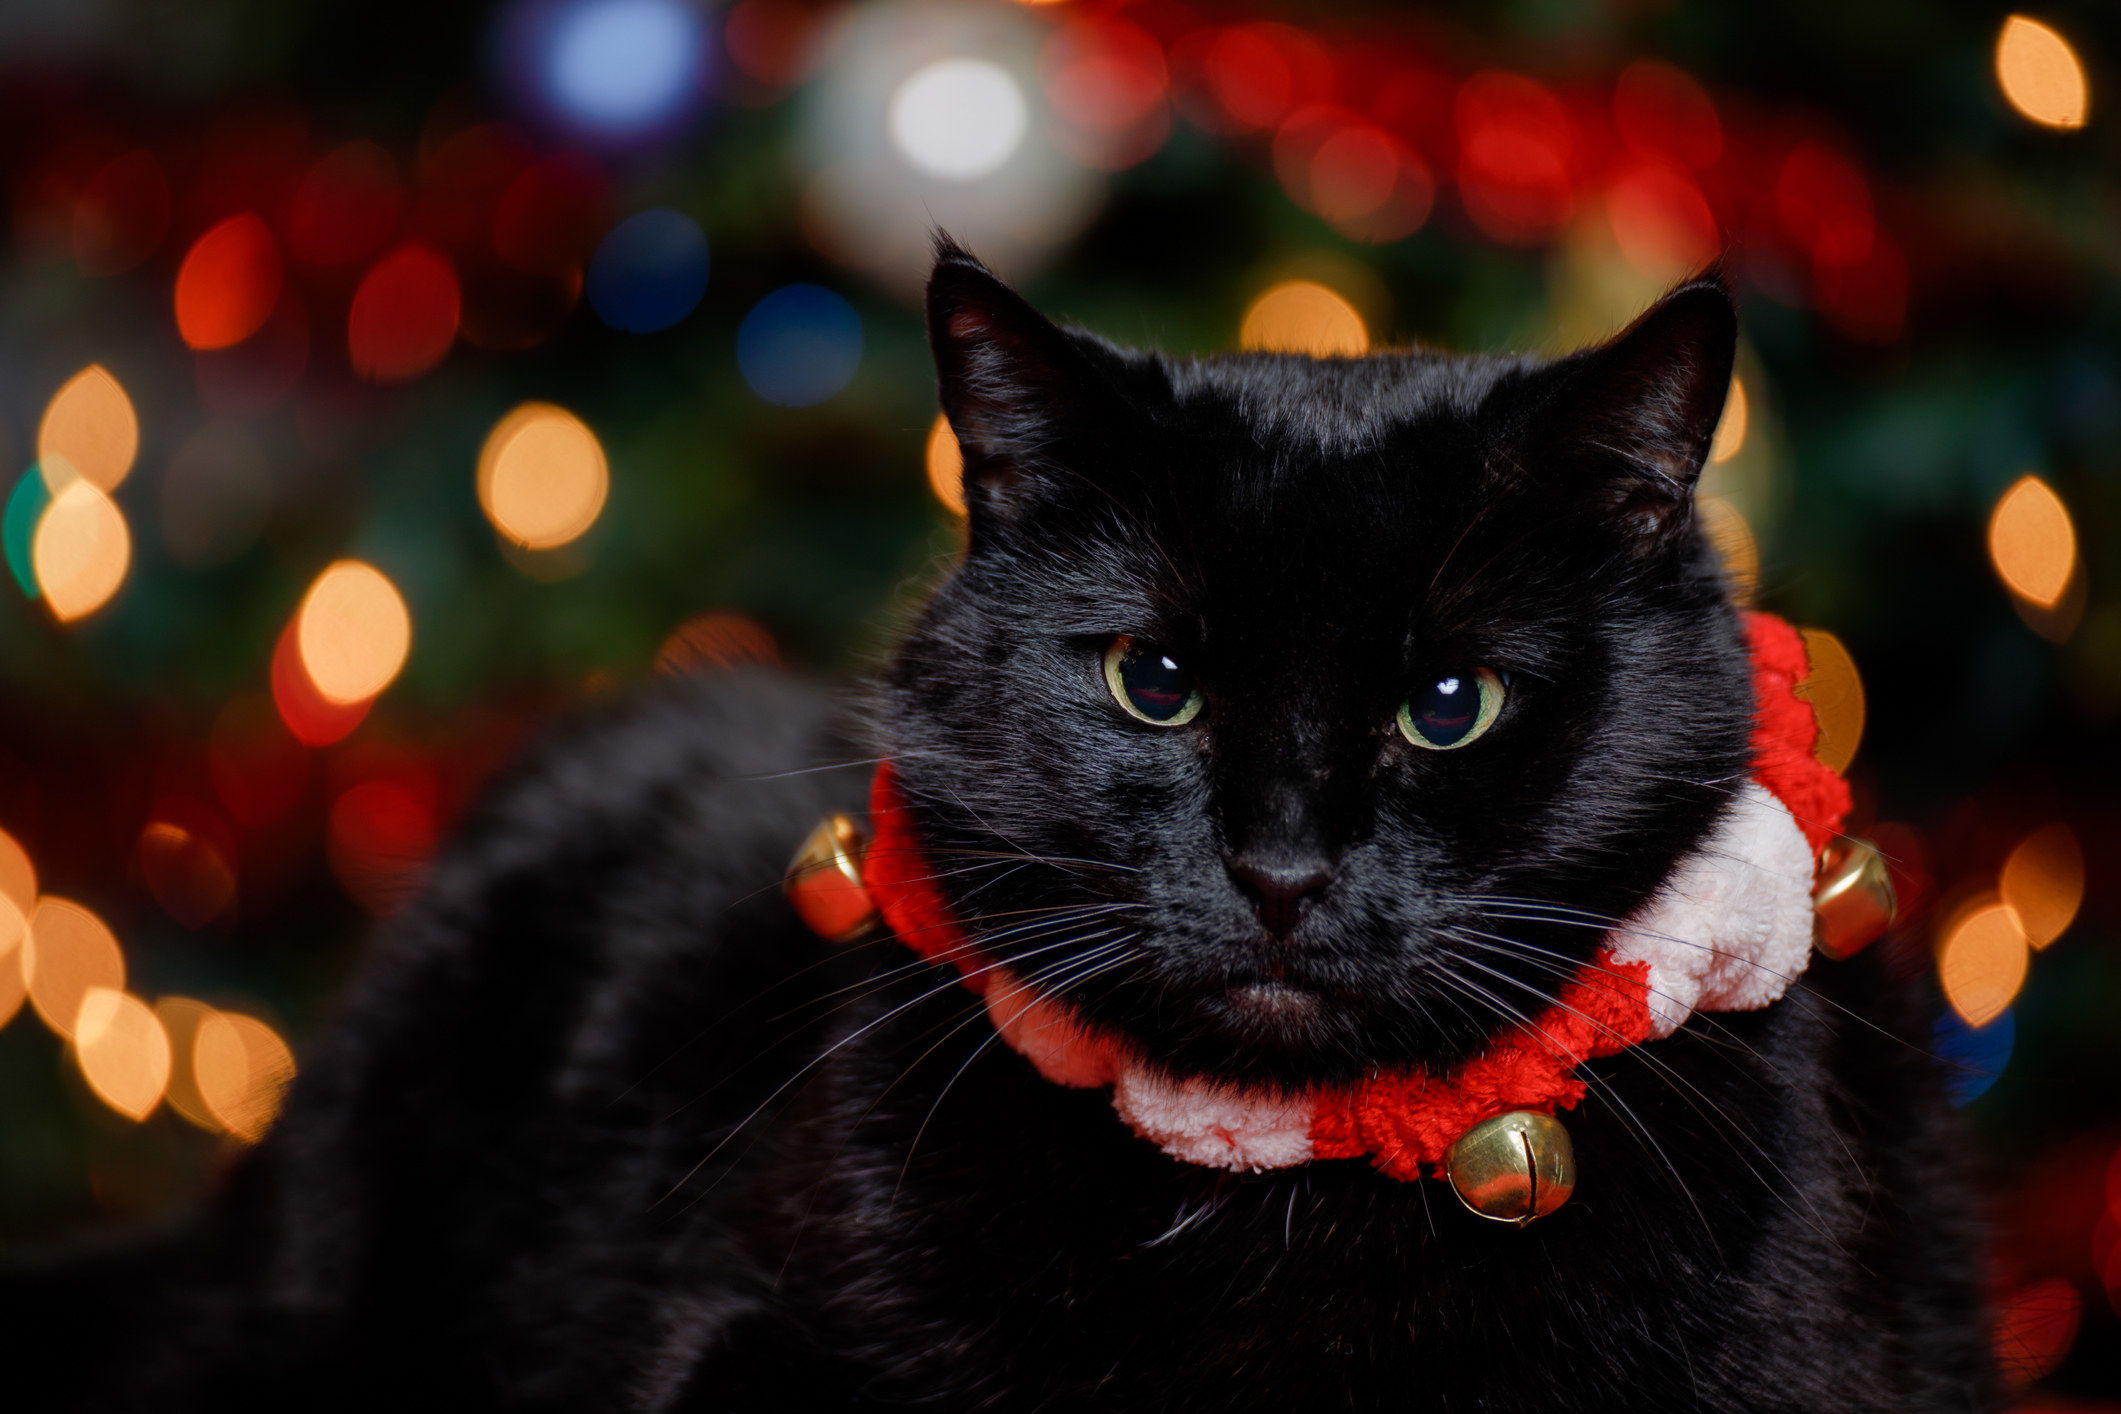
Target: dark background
<point>1897,388</point>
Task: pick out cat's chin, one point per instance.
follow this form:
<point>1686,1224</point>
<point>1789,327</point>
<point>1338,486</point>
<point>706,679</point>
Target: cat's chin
<point>1276,1015</point>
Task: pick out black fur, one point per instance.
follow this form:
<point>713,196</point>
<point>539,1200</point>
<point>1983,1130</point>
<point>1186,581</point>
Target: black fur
<point>603,1127</point>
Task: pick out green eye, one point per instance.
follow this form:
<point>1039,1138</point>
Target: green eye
<point>1452,711</point>
<point>1149,684</point>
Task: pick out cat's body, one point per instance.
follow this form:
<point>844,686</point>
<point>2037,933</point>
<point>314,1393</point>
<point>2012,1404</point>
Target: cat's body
<point>605,1127</point>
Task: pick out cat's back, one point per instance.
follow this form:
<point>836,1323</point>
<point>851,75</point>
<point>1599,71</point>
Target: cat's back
<point>502,1132</point>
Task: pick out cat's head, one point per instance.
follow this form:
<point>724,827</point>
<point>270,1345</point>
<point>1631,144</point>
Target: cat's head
<point>1295,716</point>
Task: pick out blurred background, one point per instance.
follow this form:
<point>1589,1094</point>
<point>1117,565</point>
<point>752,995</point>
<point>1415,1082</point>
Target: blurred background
<point>377,379</point>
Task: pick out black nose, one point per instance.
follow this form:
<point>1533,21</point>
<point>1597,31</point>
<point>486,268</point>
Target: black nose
<point>1280,890</point>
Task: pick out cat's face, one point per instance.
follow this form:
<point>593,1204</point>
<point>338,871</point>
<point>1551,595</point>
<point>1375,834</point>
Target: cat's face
<point>1297,717</point>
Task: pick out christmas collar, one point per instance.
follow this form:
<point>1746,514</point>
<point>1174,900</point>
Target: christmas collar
<point>1729,931</point>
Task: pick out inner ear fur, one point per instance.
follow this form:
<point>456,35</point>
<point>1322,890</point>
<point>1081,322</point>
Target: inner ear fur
<point>1633,418</point>
<point>1020,392</point>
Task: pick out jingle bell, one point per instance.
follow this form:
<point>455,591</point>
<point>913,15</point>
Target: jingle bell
<point>1514,1167</point>
<point>1853,901</point>
<point>824,881</point>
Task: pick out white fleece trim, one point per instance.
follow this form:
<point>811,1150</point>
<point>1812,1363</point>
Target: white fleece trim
<point>1215,1127</point>
<point>1732,927</point>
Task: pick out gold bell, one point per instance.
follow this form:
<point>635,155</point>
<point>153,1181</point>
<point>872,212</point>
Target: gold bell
<point>1853,901</point>
<point>1514,1167</point>
<point>824,881</point>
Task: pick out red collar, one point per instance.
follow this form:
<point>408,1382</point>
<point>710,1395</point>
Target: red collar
<point>1403,1121</point>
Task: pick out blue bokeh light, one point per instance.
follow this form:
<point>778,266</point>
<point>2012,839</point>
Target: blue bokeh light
<point>799,345</point>
<point>18,527</point>
<point>649,272</point>
<point>623,67</point>
<point>1973,1058</point>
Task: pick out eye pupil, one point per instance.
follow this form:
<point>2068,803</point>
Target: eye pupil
<point>1452,710</point>
<point>1158,688</point>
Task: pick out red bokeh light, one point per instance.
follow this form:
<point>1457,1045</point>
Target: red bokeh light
<point>2035,1327</point>
<point>257,766</point>
<point>260,373</point>
<point>187,857</point>
<point>404,315</point>
<point>1661,221</point>
<point>770,40</point>
<point>346,207</point>
<point>228,284</point>
<point>552,215</point>
<point>1516,146</point>
<point>1824,205</point>
<point>1358,177</point>
<point>381,835</point>
<point>1251,75</point>
<point>1106,80</point>
<point>1660,111</point>
<point>309,715</point>
<point>121,214</point>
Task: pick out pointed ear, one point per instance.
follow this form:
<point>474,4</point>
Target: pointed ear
<point>1019,391</point>
<point>1636,414</point>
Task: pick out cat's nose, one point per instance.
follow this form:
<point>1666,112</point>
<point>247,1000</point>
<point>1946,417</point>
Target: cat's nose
<point>1280,891</point>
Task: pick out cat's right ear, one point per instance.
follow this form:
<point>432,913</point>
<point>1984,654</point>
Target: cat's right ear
<point>1019,392</point>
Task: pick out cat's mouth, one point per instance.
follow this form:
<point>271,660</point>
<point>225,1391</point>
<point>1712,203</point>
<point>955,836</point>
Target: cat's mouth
<point>1273,1013</point>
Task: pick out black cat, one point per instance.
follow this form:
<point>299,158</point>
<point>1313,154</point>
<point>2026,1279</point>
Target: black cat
<point>604,1126</point>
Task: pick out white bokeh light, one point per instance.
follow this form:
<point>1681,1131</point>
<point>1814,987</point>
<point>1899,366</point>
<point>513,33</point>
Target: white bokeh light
<point>959,119</point>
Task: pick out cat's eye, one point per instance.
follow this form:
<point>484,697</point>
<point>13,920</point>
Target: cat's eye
<point>1453,710</point>
<point>1150,684</point>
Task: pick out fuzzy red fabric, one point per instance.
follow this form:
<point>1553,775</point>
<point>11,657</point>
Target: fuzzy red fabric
<point>1785,731</point>
<point>1405,1123</point>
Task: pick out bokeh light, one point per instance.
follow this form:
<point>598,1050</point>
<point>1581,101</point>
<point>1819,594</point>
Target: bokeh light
<point>1728,531</point>
<point>353,632</point>
<point>1107,85</point>
<point>81,551</point>
<point>228,283</point>
<point>310,717</point>
<point>799,345</point>
<point>187,858</point>
<point>68,950</point>
<point>215,497</point>
<point>1303,316</point>
<point>18,876</point>
<point>2035,1327</point>
<point>378,841</point>
<point>1982,960</point>
<point>346,207</point>
<point>1662,112</point>
<point>946,465</point>
<point>622,68</point>
<point>649,271</point>
<point>958,119</point>
<point>542,476</point>
<point>1974,1058</point>
<point>242,1070</point>
<point>718,638</point>
<point>14,930</point>
<point>26,505</point>
<point>181,1018</point>
<point>1731,427</point>
<point>1661,221</point>
<point>404,315</point>
<point>2041,75</point>
<point>2043,882</point>
<point>1835,689</point>
<point>2032,542</point>
<point>121,215</point>
<point>89,430</point>
<point>123,1051</point>
<point>1517,151</point>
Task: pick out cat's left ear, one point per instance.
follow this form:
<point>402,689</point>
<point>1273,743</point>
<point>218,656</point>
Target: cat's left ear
<point>1636,414</point>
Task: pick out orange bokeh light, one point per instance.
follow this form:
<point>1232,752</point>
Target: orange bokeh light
<point>228,283</point>
<point>1303,316</point>
<point>2032,543</point>
<point>18,877</point>
<point>2043,882</point>
<point>1835,690</point>
<point>68,950</point>
<point>89,431</point>
<point>1982,960</point>
<point>542,476</point>
<point>81,551</point>
<point>353,632</point>
<point>946,465</point>
<point>181,1018</point>
<point>123,1051</point>
<point>14,929</point>
<point>404,315</point>
<point>2041,75</point>
<point>242,1070</point>
<point>718,638</point>
<point>1731,427</point>
<point>1727,530</point>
